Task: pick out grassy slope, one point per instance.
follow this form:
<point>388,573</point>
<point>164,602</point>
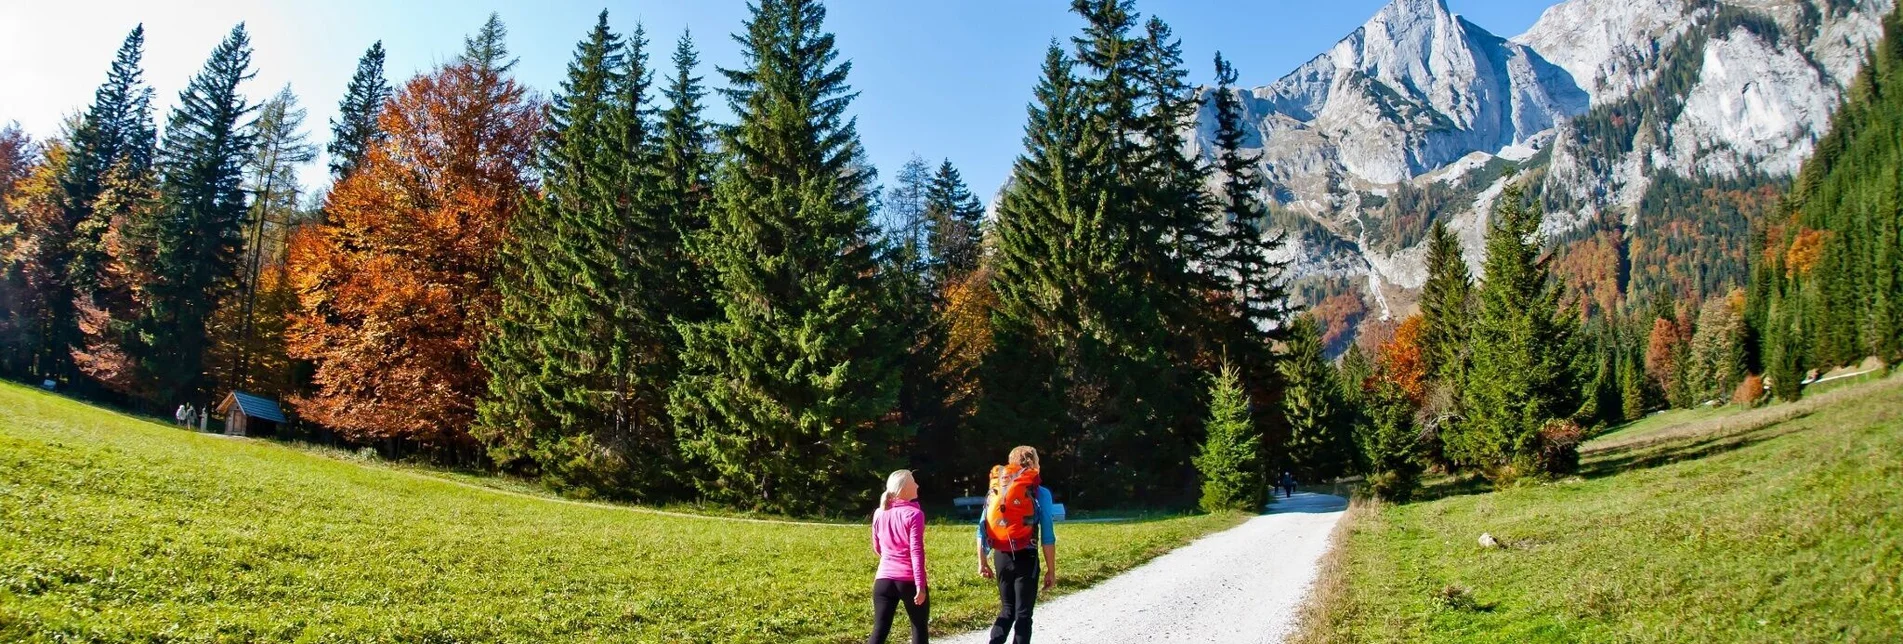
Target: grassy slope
<point>114,528</point>
<point>1783,524</point>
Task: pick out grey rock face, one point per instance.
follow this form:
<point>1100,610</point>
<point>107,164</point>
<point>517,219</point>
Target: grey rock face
<point>1419,96</point>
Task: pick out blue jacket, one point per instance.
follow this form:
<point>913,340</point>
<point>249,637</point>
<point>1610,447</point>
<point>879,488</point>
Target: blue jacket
<point>1046,534</point>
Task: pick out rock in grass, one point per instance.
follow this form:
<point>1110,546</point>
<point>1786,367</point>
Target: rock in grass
<point>1487,541</point>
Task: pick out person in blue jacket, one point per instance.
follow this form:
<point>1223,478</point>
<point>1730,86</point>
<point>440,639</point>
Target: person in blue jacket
<point>1016,572</point>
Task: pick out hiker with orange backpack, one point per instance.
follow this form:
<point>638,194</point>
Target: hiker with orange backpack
<point>1016,524</point>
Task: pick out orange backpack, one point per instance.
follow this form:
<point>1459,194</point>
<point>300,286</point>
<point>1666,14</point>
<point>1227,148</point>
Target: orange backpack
<point>1011,508</point>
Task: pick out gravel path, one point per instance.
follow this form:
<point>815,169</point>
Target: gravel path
<point>1241,585</point>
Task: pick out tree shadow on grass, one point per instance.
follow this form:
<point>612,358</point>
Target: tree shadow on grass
<point>1629,458</point>
<point>1646,456</point>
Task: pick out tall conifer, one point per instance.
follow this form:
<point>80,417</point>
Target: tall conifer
<point>1524,370</point>
<point>115,132</point>
<point>956,225</point>
<point>788,386</point>
<point>200,226</point>
<point>355,129</point>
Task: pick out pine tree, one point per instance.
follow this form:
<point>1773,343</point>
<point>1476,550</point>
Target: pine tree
<point>1446,300</point>
<point>1524,370</point>
<point>355,129</point>
<point>788,385</point>
<point>1230,463</point>
<point>200,228</point>
<point>1313,404</point>
<point>584,350</point>
<point>1388,440</point>
<point>957,218</point>
<point>116,132</point>
<point>1257,288</point>
<point>686,162</point>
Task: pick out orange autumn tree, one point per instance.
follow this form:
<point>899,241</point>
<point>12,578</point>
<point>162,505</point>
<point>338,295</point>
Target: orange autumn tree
<point>1403,362</point>
<point>396,288</point>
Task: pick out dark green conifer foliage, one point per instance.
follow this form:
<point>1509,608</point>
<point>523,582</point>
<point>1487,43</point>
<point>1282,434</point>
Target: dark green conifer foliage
<point>1841,302</point>
<point>1259,296</point>
<point>1043,266</point>
<point>115,132</point>
<point>686,157</point>
<point>1632,394</point>
<point>956,238</point>
<point>488,48</point>
<point>788,386</point>
<point>1318,416</point>
<point>355,129</point>
<point>1525,370</point>
<point>585,349</point>
<point>1446,307</point>
<point>1388,442</point>
<point>1230,462</point>
<point>199,225</point>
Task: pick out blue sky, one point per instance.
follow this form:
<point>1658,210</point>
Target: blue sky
<point>939,79</point>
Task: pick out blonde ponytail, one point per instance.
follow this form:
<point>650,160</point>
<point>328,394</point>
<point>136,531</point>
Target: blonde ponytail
<point>893,484</point>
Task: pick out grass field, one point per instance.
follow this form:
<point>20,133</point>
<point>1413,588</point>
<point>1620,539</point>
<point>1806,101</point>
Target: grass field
<point>1780,524</point>
<point>113,528</point>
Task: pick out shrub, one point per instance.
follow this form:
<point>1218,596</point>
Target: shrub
<point>1750,392</point>
<point>1558,449</point>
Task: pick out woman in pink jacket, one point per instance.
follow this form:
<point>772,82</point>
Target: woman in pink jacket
<point>898,537</point>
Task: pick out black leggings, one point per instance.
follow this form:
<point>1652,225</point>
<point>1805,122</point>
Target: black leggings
<point>1017,593</point>
<point>887,596</point>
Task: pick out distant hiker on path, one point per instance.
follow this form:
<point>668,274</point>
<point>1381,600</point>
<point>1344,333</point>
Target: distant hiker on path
<point>898,537</point>
<point>178,417</point>
<point>1287,484</point>
<point>1016,523</point>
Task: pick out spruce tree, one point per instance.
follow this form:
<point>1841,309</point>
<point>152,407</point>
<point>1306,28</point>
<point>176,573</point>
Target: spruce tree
<point>355,129</point>
<point>1256,284</point>
<point>115,132</point>
<point>1313,405</point>
<point>1445,305</point>
<point>685,161</point>
<point>200,224</point>
<point>1388,441</point>
<point>1524,371</point>
<point>1044,251</point>
<point>788,385</point>
<point>584,350</point>
<point>1632,393</point>
<point>957,221</point>
<point>1230,463</point>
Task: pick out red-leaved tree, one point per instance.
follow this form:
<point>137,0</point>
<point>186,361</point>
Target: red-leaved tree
<point>396,287</point>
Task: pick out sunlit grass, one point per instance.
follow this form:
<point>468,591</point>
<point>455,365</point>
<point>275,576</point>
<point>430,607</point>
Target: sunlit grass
<point>1782,524</point>
<point>114,528</point>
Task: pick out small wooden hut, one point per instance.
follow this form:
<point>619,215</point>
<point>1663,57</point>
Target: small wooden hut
<point>246,414</point>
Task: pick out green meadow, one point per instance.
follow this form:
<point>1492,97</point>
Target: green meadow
<point>115,528</point>
<point>1778,524</point>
